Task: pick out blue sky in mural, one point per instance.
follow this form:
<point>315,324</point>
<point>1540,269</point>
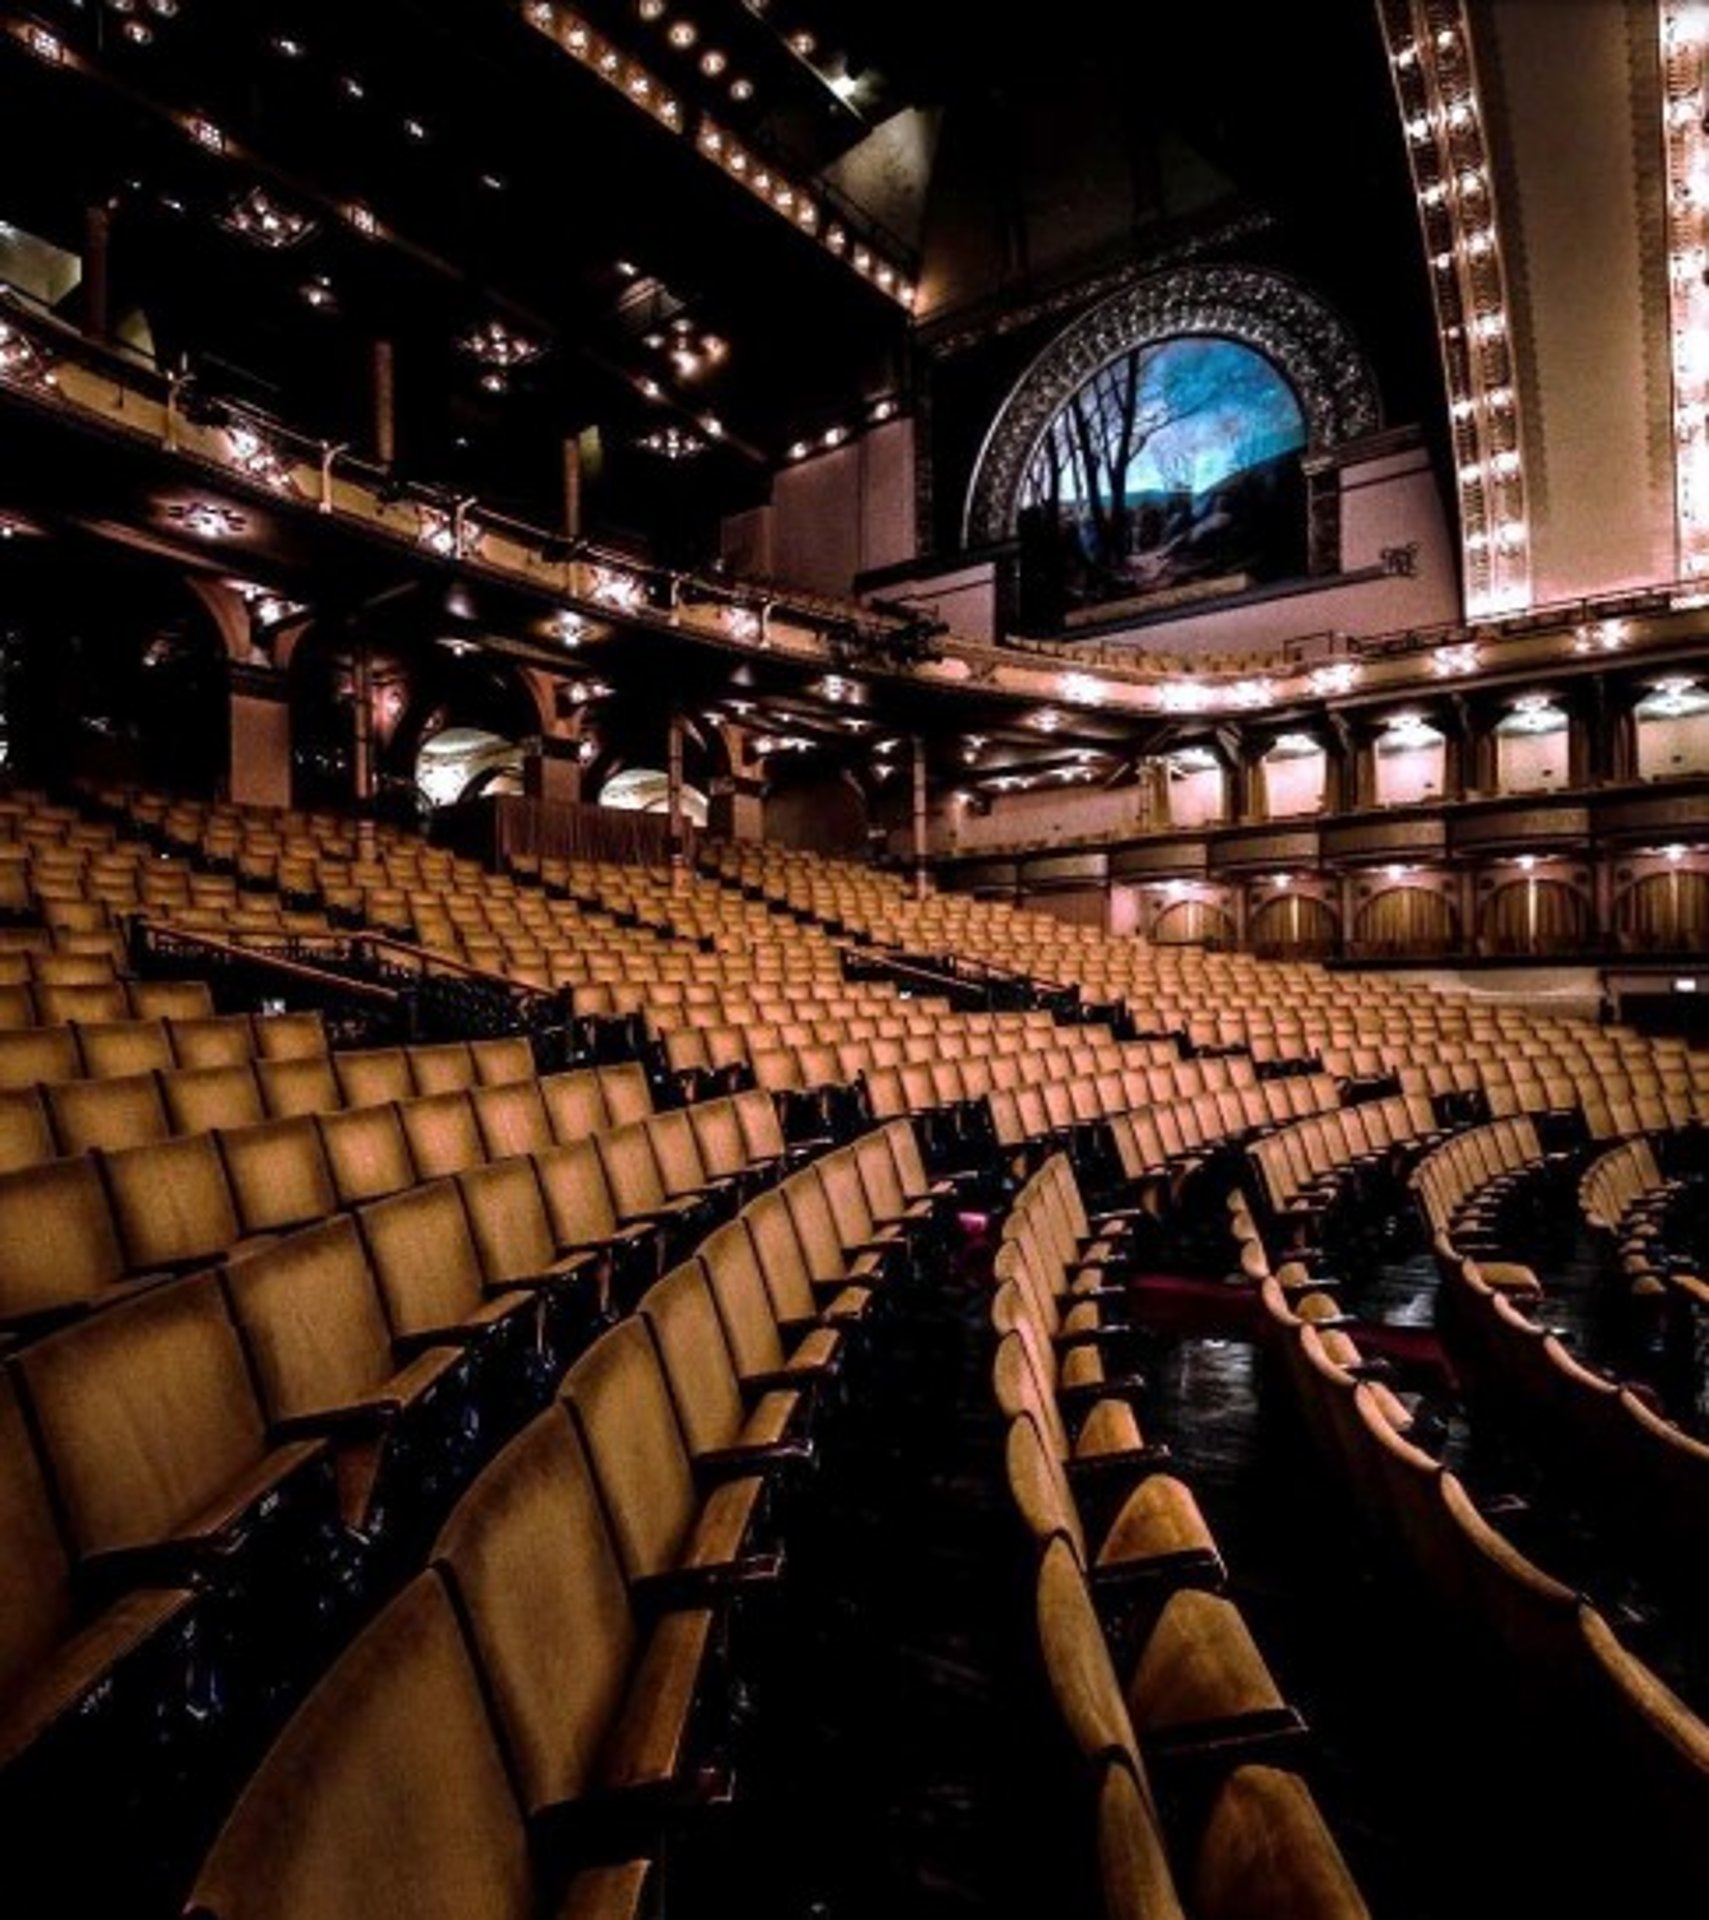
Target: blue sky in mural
<point>1220,409</point>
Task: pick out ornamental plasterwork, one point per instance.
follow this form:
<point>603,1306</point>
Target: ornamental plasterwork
<point>1258,308</point>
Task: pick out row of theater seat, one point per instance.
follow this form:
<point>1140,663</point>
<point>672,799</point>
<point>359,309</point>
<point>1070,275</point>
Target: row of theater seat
<point>556,1691</point>
<point>1153,1672</point>
<point>1620,1189</point>
<point>39,1056</point>
<point>1460,1183</point>
<point>1298,1168</point>
<point>132,1108</point>
<point>87,1001</point>
<point>1536,1661</point>
<point>76,1229</point>
<point>213,1439</point>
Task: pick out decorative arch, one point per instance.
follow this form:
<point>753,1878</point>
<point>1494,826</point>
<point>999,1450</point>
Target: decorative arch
<point>1267,311</point>
<point>1294,926</point>
<point>1193,923</point>
<point>1534,916</point>
<point>1664,912</point>
<point>1405,920</point>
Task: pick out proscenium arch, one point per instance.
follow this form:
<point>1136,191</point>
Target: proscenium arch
<point>1252,306</point>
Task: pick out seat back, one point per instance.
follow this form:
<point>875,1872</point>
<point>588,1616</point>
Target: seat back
<point>508,1222</point>
<point>311,1319</point>
<point>678,1153</point>
<point>59,1245</point>
<point>36,1600</point>
<point>298,1084</point>
<point>777,1247</point>
<point>536,1574</point>
<point>40,1055</point>
<point>815,1224</point>
<point>449,1068</point>
<point>1077,1664</point>
<point>123,1046</point>
<point>386,1792</point>
<point>26,1132</point>
<point>761,1128</point>
<point>575,1105</point>
<point>683,1318</point>
<point>501,1060</point>
<point>171,999</point>
<point>1266,1849</point>
<point>628,1097</point>
<point>512,1119</point>
<point>877,1167</point>
<point>367,1152</point>
<point>198,1098</point>
<point>718,1135</point>
<point>125,1111</point>
<point>172,1203</point>
<point>632,1169</point>
<point>442,1133</point>
<point>1039,1487</point>
<point>628,1424</point>
<point>146,1413</point>
<point>373,1076</point>
<point>744,1305</point>
<point>221,1040</point>
<point>578,1200</point>
<point>423,1257</point>
<point>845,1196</point>
<point>278,1175</point>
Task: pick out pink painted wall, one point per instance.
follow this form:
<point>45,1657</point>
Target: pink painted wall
<point>260,752</point>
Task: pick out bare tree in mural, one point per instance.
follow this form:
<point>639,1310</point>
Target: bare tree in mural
<point>1177,415</point>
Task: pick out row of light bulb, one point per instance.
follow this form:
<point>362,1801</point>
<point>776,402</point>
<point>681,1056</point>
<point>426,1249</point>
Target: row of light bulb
<point>1446,149</point>
<point>787,198</point>
<point>1684,53</point>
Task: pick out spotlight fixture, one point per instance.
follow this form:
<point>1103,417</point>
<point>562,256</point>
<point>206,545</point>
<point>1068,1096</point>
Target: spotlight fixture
<point>22,361</point>
<point>254,454</point>
<point>672,443</point>
<point>258,218</point>
<point>207,520</point>
<point>499,351</point>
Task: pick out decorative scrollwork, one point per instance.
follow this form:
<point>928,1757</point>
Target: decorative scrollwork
<point>1252,305</point>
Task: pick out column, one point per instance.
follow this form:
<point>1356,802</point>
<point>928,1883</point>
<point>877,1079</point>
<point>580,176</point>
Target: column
<point>260,722</point>
<point>573,486</point>
<point>552,771</point>
<point>385,403</point>
<point>362,745</point>
<point>1457,752</point>
<point>673,797</point>
<point>920,875</point>
<point>97,295</point>
<point>1338,768</point>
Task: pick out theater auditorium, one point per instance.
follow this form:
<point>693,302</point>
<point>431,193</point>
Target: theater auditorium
<point>854,960</point>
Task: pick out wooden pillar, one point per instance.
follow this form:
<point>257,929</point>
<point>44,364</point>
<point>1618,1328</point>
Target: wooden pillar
<point>97,282</point>
<point>920,879</point>
<point>572,486</point>
<point>385,403</point>
<point>673,796</point>
<point>362,746</point>
<point>259,771</point>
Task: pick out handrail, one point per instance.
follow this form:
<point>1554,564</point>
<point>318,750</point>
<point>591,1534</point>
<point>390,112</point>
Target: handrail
<point>287,965</point>
<point>429,959</point>
<point>606,584</point>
